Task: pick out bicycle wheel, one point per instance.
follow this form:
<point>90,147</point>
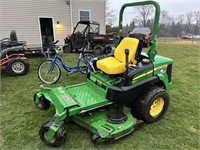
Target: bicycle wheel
<point>49,73</point>
<point>84,64</point>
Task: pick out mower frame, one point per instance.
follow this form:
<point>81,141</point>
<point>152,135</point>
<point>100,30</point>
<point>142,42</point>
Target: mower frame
<point>139,94</point>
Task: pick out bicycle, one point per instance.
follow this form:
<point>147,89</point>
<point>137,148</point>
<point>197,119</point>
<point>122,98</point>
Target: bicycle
<point>49,72</point>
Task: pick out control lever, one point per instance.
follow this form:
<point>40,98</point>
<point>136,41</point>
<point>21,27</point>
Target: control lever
<point>126,65</point>
<point>127,54</point>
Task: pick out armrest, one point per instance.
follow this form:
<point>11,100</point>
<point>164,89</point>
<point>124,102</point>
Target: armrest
<point>138,69</point>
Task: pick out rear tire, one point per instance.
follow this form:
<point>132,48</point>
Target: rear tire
<point>152,106</point>
<point>98,50</point>
<point>17,67</point>
<point>108,49</point>
<point>67,48</point>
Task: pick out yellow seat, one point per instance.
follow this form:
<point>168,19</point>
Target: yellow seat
<point>116,64</point>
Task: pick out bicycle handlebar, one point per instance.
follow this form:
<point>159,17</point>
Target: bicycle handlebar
<point>54,43</point>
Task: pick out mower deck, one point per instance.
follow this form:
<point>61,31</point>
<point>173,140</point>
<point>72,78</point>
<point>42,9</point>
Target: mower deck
<point>89,108</point>
<point>97,123</point>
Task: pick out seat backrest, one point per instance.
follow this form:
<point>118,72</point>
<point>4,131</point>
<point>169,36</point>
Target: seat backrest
<point>13,36</point>
<point>139,49</point>
<point>127,43</point>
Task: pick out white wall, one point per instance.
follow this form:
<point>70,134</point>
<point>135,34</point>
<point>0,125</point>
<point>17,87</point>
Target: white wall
<point>22,16</point>
<point>97,9</point>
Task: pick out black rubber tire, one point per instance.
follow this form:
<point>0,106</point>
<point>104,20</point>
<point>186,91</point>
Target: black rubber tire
<point>17,67</point>
<point>107,49</point>
<point>59,137</point>
<point>95,138</point>
<point>141,107</point>
<point>43,104</point>
<point>98,50</point>
<point>67,49</point>
<point>13,36</point>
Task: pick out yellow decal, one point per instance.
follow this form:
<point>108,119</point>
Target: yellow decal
<point>160,67</point>
<point>149,72</point>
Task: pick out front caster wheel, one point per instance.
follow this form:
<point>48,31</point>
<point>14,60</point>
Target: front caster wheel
<point>42,104</point>
<point>95,138</point>
<point>58,138</point>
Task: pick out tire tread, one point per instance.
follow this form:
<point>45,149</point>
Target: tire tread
<point>139,109</point>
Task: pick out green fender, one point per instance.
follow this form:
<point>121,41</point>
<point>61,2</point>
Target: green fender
<point>164,78</point>
<point>61,113</point>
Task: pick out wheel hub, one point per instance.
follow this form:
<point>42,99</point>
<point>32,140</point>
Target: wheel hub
<point>18,67</point>
<point>156,107</point>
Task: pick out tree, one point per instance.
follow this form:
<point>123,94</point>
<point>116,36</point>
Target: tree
<point>128,28</point>
<point>197,22</point>
<point>110,15</point>
<point>144,14</point>
<point>189,19</point>
<point>181,19</point>
<point>174,29</point>
<point>131,26</point>
<point>180,24</point>
<point>165,20</point>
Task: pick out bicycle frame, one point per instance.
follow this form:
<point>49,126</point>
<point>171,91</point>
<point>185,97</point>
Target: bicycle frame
<point>71,69</point>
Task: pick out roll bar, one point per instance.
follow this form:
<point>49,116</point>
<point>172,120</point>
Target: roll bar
<point>152,51</point>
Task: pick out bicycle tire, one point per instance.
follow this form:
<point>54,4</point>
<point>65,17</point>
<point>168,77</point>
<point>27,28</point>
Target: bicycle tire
<point>45,67</point>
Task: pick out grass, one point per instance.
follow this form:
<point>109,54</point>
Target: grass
<point>179,129</point>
